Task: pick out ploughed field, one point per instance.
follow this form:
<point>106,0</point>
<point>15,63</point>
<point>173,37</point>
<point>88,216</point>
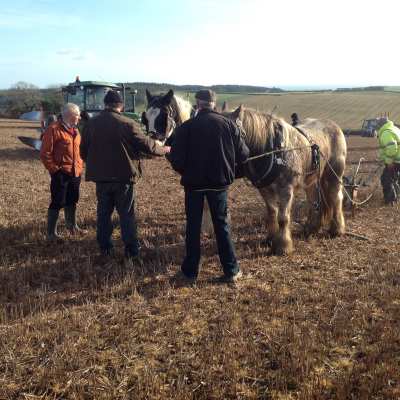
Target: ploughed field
<point>323,323</point>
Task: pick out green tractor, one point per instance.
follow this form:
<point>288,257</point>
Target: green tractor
<point>89,96</point>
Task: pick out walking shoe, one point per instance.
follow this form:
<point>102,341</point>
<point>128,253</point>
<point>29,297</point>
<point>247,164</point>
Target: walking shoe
<point>231,278</point>
<point>132,261</point>
<point>180,279</point>
<point>107,253</point>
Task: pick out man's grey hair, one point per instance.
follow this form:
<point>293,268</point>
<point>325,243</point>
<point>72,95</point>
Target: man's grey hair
<point>68,109</point>
<point>205,104</point>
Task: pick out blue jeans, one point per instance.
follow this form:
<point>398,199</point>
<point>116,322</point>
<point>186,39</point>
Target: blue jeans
<point>111,195</point>
<point>194,203</point>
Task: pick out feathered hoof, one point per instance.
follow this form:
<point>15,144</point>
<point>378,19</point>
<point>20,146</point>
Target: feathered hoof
<point>282,247</point>
<point>310,230</point>
<point>268,241</point>
<point>335,231</point>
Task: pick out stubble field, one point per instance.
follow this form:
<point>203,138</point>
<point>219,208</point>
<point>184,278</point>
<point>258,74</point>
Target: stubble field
<point>348,109</point>
<point>323,323</point>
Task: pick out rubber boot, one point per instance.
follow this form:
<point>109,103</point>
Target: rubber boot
<point>70,220</point>
<point>52,218</point>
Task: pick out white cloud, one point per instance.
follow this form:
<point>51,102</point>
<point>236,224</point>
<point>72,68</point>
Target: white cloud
<point>76,55</point>
<point>65,52</point>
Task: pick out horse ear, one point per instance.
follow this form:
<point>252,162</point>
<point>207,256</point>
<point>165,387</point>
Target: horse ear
<point>149,96</point>
<point>225,107</point>
<point>168,97</point>
<point>238,113</point>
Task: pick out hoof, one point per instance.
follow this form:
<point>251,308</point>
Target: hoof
<point>282,247</point>
<point>335,232</point>
<point>310,230</point>
<point>268,241</point>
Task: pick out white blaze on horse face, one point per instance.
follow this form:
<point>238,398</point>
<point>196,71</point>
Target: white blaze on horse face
<point>151,115</point>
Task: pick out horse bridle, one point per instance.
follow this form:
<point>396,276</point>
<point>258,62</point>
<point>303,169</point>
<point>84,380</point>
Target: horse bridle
<point>170,118</point>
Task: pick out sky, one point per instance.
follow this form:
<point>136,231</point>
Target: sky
<point>282,43</point>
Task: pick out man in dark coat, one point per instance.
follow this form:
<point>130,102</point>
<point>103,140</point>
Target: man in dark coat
<point>295,119</point>
<point>112,145</point>
<point>206,151</point>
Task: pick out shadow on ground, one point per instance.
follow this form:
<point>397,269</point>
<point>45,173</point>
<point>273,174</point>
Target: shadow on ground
<point>19,154</point>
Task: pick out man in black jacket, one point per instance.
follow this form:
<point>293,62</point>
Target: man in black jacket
<point>205,151</point>
<point>111,147</point>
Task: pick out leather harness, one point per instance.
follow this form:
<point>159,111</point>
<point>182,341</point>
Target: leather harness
<point>275,159</point>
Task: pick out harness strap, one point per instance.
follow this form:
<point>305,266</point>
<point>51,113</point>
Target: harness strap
<point>315,165</point>
<point>276,160</point>
<point>315,153</point>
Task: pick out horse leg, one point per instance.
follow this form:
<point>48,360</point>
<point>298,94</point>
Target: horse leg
<point>334,195</point>
<point>332,191</point>
<point>282,243</point>
<point>271,214</point>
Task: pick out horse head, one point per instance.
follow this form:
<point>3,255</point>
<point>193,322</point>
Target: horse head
<point>159,117</point>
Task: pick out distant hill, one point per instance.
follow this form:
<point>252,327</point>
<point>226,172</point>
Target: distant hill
<point>392,88</point>
<point>157,87</point>
<point>14,102</point>
<point>164,87</point>
<point>361,89</point>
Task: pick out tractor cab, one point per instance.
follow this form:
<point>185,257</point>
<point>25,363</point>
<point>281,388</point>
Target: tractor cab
<point>89,95</point>
<point>369,127</point>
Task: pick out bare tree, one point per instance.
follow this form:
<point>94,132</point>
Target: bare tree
<point>22,85</point>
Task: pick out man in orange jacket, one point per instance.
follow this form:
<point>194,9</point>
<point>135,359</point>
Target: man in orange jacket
<point>60,155</point>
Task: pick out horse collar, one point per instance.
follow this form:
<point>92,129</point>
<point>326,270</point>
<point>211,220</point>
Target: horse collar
<point>275,163</point>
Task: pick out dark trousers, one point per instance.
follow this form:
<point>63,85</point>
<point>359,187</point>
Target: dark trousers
<point>64,190</point>
<point>390,180</point>
<point>194,203</point>
<point>120,196</point>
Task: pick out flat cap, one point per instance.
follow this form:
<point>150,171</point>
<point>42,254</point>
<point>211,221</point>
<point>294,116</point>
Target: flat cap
<point>206,95</point>
<point>112,96</point>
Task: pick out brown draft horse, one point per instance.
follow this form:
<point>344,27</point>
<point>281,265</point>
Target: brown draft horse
<point>277,176</point>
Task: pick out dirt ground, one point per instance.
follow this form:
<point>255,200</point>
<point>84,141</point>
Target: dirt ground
<point>322,323</point>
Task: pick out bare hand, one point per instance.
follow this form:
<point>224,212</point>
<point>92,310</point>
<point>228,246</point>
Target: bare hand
<point>167,149</point>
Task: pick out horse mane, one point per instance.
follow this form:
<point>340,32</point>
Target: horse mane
<point>259,127</point>
<point>182,108</point>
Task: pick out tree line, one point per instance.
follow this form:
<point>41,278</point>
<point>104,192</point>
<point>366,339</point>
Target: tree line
<point>24,97</point>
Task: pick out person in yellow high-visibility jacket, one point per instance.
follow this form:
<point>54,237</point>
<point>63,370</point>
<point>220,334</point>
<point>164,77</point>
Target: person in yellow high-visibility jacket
<point>389,153</point>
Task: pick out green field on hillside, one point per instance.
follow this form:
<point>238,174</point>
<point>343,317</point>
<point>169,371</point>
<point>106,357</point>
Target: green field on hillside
<point>348,109</point>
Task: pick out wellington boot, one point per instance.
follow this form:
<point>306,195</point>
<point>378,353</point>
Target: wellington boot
<point>70,221</point>
<point>52,218</point>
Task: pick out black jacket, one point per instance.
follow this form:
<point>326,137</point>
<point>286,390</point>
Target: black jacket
<point>112,146</point>
<point>205,151</point>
